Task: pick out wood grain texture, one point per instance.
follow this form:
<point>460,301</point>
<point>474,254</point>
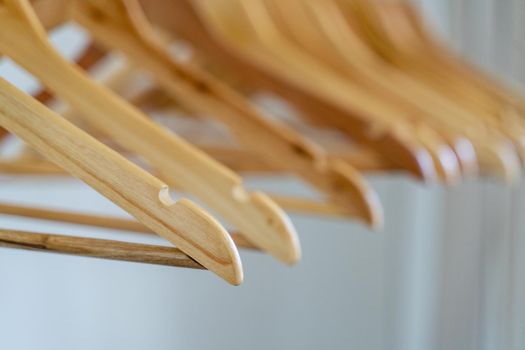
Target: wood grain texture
<point>253,213</point>
<point>128,186</point>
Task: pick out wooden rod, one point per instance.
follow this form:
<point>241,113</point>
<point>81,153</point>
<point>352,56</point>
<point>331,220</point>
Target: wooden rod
<point>97,248</point>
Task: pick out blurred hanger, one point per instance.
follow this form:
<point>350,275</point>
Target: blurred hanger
<point>140,194</point>
<point>29,162</point>
<point>390,32</point>
<point>498,156</point>
<point>375,21</point>
<point>417,36</point>
<point>508,105</point>
<point>265,40</point>
<point>227,42</point>
<point>120,25</point>
<point>24,40</point>
<point>318,28</point>
<point>152,99</point>
<point>302,30</point>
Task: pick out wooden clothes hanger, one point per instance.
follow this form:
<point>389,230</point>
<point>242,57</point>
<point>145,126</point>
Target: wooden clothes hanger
<point>416,99</point>
<point>503,104</point>
<point>237,159</point>
<point>30,162</point>
<point>503,165</point>
<point>512,103</point>
<point>265,39</point>
<point>187,19</point>
<point>120,26</point>
<point>140,194</point>
<point>402,47</point>
<point>421,37</point>
<point>152,98</point>
<point>392,34</point>
<point>444,153</point>
<point>498,158</point>
<point>254,214</point>
<point>354,52</point>
<point>318,28</point>
<point>302,31</point>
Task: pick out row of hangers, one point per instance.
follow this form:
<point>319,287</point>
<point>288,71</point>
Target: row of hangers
<point>368,86</point>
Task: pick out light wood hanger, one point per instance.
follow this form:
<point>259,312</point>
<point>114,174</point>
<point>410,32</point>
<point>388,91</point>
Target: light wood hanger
<point>153,98</point>
<point>503,104</point>
<point>491,157</point>
<point>399,47</point>
<point>500,158</point>
<point>353,51</point>
<point>140,194</point>
<point>31,163</point>
<point>418,35</point>
<point>392,35</point>
<point>302,30</point>
<point>185,19</point>
<point>319,28</point>
<point>512,101</point>
<point>241,161</point>
<point>24,40</point>
<point>507,170</point>
<point>120,25</point>
<point>493,151</point>
<point>265,40</point>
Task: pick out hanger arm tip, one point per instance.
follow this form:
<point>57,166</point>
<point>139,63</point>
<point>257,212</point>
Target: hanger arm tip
<point>215,247</point>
